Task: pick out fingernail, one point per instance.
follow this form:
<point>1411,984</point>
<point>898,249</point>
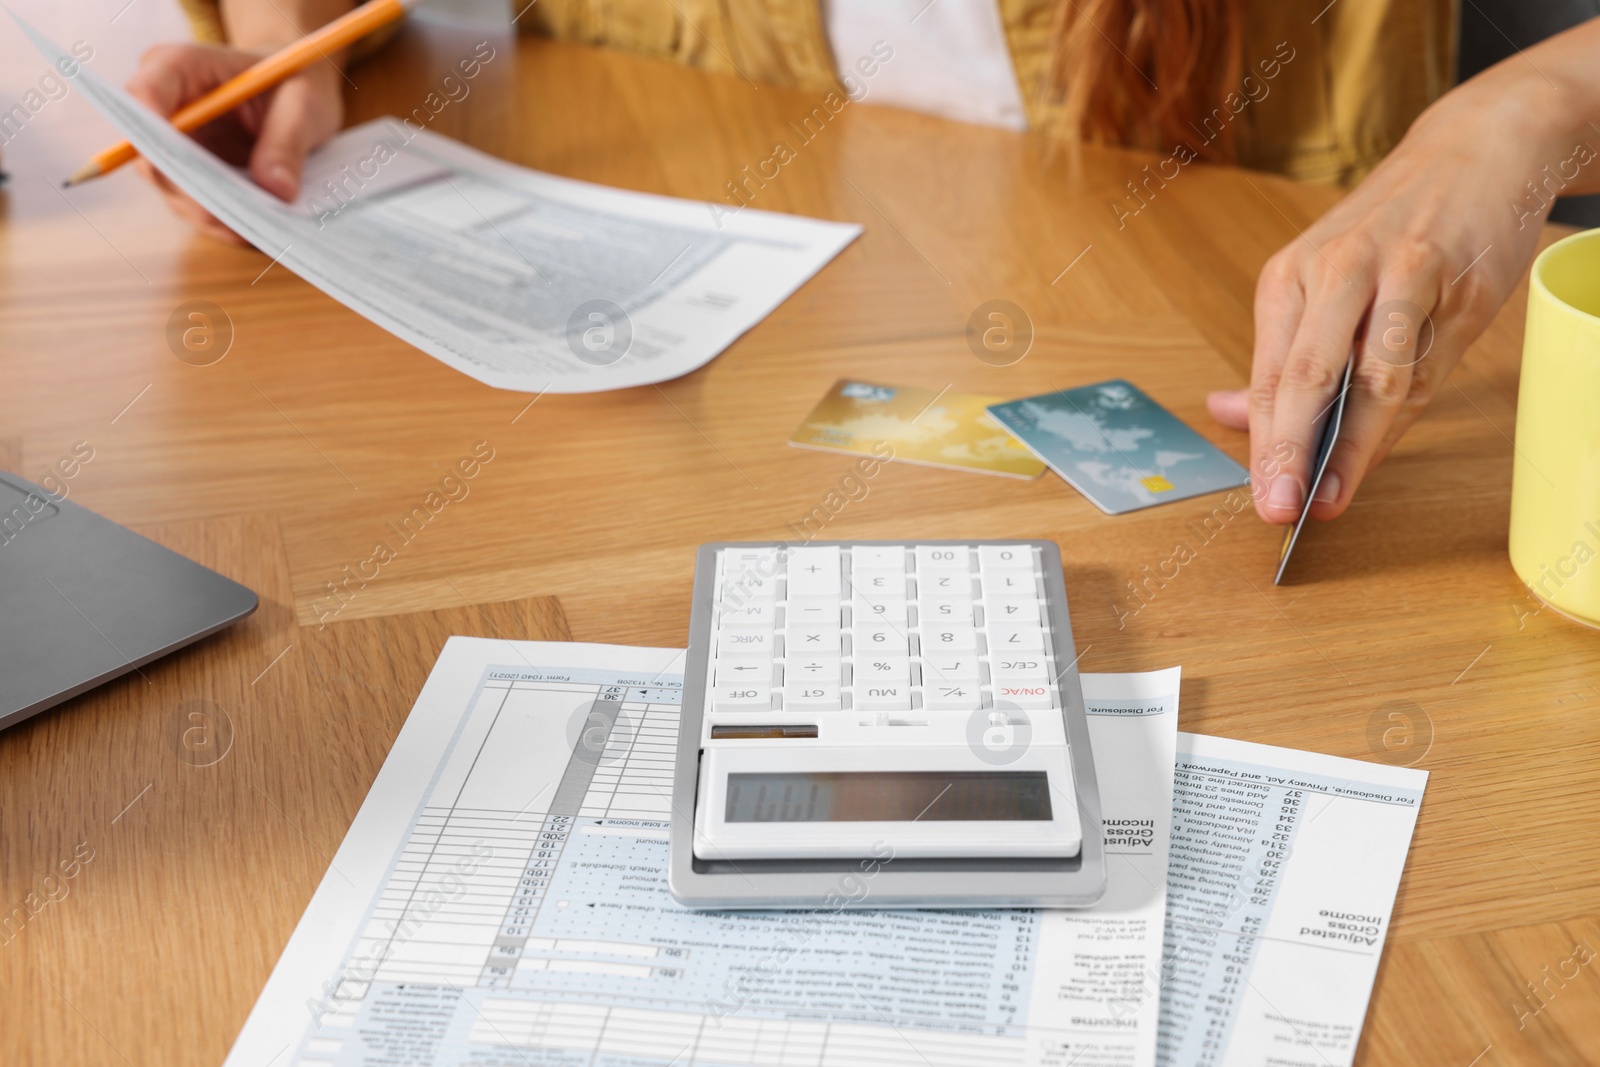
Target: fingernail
<point>1285,493</point>
<point>1328,488</point>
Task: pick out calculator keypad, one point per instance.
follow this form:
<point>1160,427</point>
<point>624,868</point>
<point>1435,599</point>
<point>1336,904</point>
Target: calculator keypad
<point>879,631</point>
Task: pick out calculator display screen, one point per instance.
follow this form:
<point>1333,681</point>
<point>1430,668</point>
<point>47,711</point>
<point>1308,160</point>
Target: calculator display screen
<point>889,796</point>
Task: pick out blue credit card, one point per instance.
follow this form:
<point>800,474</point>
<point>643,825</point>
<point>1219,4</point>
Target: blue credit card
<point>1118,447</point>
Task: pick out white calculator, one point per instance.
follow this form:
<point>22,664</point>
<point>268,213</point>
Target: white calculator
<point>890,724</point>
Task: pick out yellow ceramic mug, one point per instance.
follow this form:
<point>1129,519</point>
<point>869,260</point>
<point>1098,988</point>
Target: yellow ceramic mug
<point>1555,484</point>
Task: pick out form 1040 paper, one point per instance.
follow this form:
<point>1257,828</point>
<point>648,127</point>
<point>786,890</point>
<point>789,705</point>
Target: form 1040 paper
<point>1282,879</point>
<point>521,279</point>
<point>501,899</point>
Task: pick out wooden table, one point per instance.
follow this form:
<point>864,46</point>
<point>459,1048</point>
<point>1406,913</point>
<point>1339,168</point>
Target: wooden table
<point>1406,638</point>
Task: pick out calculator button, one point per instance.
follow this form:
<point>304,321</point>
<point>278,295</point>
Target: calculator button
<point>745,672</point>
<point>766,562</point>
<point>745,643</point>
<point>1017,584</point>
<point>814,572</point>
<point>813,613</point>
<point>750,574</point>
<point>1004,638</point>
<point>883,697</point>
<point>944,585</point>
<point>811,698</point>
<point>949,638</point>
<point>949,668</point>
<point>1013,669</point>
<point>1005,558</point>
<point>746,588</point>
<point>946,558</point>
<point>952,696</point>
<point>811,670</point>
<point>1004,611</point>
<point>878,639</point>
<point>952,612</point>
<point>889,585</point>
<point>741,698</point>
<point>882,670</point>
<point>768,557</point>
<point>887,612</point>
<point>1032,696</point>
<point>756,615</point>
<point>878,558</point>
<point>807,640</point>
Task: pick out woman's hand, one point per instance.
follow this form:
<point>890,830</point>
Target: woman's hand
<point>272,133</point>
<point>1407,271</point>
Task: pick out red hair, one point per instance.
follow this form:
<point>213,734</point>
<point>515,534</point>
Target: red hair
<point>1145,73</point>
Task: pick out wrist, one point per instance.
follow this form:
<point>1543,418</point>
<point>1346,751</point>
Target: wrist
<point>1556,118</point>
<point>1541,107</point>
<point>1546,111</point>
<point>267,27</point>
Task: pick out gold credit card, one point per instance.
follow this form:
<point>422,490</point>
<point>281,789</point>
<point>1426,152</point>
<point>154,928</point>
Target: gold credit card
<point>933,428</point>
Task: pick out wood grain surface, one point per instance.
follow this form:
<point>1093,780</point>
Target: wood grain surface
<point>281,463</point>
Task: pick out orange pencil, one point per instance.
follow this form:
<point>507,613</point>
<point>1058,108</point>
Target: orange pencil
<point>340,33</point>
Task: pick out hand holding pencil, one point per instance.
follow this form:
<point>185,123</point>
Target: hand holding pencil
<point>266,113</point>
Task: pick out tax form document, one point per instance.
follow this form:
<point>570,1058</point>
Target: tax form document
<point>520,279</point>
<point>501,900</point>
<point>1282,880</point>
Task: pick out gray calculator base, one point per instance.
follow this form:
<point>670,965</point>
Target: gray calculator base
<point>899,883</point>
<point>889,882</point>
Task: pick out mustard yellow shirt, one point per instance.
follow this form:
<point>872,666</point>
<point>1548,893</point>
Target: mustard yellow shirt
<point>1326,97</point>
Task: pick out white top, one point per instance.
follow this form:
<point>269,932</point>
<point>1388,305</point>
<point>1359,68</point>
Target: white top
<point>945,57</point>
